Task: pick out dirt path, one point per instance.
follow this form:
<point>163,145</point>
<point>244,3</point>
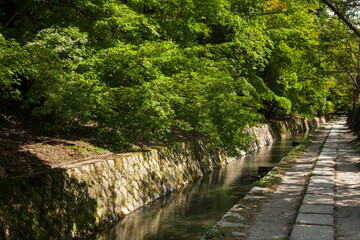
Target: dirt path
<point>347,189</point>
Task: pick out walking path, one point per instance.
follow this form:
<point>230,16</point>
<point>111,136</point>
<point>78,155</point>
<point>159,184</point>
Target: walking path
<point>318,199</point>
<point>277,216</point>
<point>347,189</point>
<point>333,192</point>
<point>315,219</point>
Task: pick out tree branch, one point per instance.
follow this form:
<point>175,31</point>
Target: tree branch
<point>12,18</point>
<point>349,73</point>
<point>352,50</point>
<point>342,17</point>
<point>350,54</point>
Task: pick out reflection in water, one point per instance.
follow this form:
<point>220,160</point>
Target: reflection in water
<point>187,213</point>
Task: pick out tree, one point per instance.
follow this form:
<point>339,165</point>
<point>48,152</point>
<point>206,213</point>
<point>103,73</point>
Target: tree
<point>142,70</point>
<point>294,71</point>
<point>344,10</point>
<point>341,8</point>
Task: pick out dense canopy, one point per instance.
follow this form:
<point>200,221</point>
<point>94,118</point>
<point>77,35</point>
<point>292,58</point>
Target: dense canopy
<point>144,71</point>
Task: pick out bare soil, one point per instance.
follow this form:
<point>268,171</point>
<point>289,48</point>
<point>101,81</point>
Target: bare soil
<point>24,148</point>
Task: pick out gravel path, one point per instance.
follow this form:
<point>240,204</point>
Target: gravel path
<point>347,189</point>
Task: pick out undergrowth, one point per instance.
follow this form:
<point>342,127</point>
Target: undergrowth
<point>273,178</point>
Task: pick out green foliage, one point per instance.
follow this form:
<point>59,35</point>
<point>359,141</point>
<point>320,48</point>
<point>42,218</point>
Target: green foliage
<point>120,23</point>
<point>284,103</point>
<point>160,87</point>
<point>343,62</point>
<point>184,21</point>
<point>85,148</point>
<point>292,70</point>
<point>215,233</point>
<point>10,54</point>
<point>140,71</point>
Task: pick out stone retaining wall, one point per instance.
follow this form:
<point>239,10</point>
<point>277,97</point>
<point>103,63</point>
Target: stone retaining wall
<point>268,133</point>
<point>75,199</point>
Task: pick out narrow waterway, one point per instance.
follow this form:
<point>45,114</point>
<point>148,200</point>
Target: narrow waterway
<point>187,214</point>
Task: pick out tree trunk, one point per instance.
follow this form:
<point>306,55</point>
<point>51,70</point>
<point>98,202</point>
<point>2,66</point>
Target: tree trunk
<point>342,17</point>
<point>355,99</point>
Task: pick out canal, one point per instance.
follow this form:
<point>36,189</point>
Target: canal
<point>189,212</point>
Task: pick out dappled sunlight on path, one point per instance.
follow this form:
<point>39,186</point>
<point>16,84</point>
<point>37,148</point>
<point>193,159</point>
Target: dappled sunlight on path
<point>347,189</point>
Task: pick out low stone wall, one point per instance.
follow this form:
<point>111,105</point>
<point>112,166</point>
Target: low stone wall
<point>75,199</point>
<point>267,133</point>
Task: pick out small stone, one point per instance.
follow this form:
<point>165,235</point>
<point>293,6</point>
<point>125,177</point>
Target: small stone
<point>254,197</point>
<point>256,190</point>
<point>240,206</point>
<point>130,207</point>
<point>238,234</point>
<point>235,209</point>
<point>225,224</point>
<point>235,215</point>
<point>124,211</point>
